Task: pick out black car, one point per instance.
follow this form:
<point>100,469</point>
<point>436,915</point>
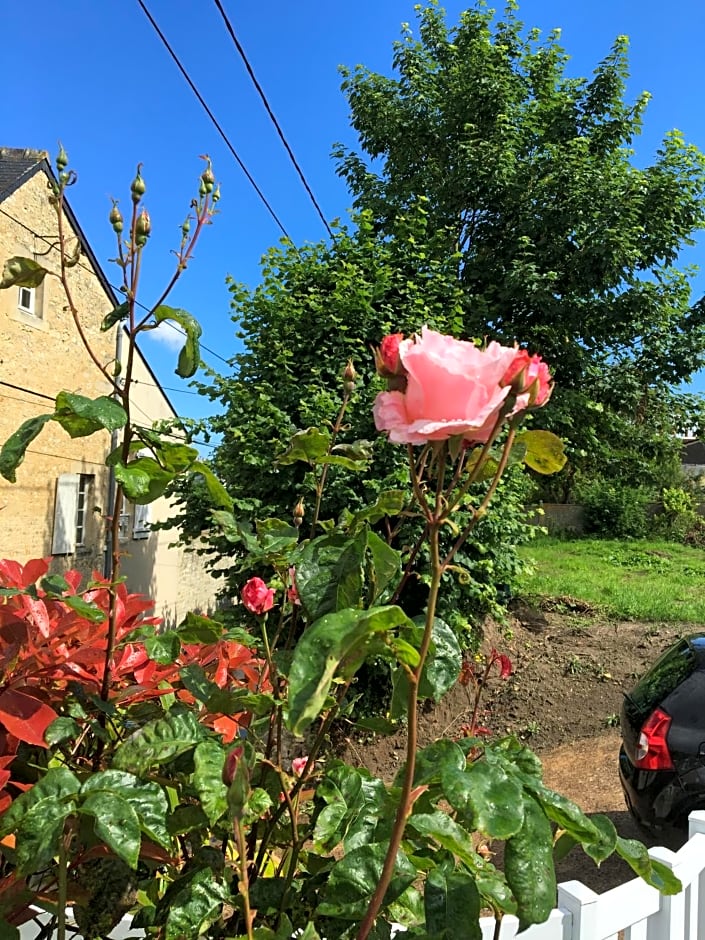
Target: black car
<point>662,759</point>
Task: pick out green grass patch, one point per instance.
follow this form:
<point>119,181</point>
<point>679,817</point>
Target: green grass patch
<point>640,580</point>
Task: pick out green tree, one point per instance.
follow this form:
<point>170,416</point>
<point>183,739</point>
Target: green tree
<point>561,240</point>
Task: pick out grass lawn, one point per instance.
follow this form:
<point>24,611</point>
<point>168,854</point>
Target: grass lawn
<point>637,580</point>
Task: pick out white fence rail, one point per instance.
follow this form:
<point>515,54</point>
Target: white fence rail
<point>631,911</point>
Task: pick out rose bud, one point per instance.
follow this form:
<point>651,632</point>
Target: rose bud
<point>230,765</point>
<point>257,597</point>
<point>116,218</point>
<point>138,188</point>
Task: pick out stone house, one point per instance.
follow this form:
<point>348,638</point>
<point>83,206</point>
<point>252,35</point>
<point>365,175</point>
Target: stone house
<point>58,506</point>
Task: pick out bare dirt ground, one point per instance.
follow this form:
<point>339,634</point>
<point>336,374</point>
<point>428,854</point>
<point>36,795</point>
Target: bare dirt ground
<point>571,667</point>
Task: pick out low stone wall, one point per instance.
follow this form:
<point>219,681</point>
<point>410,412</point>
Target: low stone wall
<point>569,518</point>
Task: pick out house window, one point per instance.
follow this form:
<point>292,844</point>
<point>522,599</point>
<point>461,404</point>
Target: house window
<point>124,521</point>
<point>71,513</point>
<point>26,300</point>
<point>140,527</point>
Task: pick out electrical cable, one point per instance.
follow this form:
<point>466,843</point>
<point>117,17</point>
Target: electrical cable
<point>214,120</point>
<point>272,116</point>
<point>90,270</point>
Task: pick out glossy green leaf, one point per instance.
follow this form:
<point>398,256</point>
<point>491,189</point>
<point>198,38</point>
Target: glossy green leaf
<point>117,314</point>
<point>60,730</point>
<point>39,832</point>
<point>194,905</point>
<point>163,647</point>
<point>14,448</point>
<point>217,492</point>
<point>159,741</point>
<point>195,628</point>
<point>258,803</point>
<point>443,664</point>
<point>142,479</point>
<point>486,798</point>
<point>22,272</point>
<point>80,416</point>
<point>435,761</point>
<point>355,877</point>
<point>356,808</point>
<point>57,786</point>
<point>452,906</point>
<point>337,640</point>
<point>277,537</point>
<point>602,847</point>
<point>528,866</point>
<point>116,824</point>
<point>653,872</point>
<point>439,827</point>
<point>329,572</point>
<point>146,798</point>
<point>190,355</point>
<point>209,758</point>
<point>86,609</point>
<point>544,451</point>
<point>388,503</point>
<point>307,446</point>
<point>384,570</point>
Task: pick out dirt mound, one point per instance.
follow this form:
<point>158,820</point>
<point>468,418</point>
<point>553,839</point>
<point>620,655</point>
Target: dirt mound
<point>571,667</point>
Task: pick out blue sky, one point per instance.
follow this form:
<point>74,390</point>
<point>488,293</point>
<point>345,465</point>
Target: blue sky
<point>95,75</point>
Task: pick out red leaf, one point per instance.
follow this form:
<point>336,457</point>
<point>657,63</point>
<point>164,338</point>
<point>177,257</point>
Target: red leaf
<point>38,614</point>
<point>26,717</point>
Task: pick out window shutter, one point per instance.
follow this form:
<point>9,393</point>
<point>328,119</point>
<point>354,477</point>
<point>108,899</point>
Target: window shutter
<point>141,520</point>
<point>65,510</point>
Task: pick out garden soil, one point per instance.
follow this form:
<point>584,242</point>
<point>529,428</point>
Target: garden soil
<point>570,669</point>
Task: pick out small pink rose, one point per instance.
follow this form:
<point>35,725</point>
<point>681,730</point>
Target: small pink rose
<point>388,362</point>
<point>529,377</point>
<point>452,389</point>
<point>292,591</point>
<point>257,597</point>
<point>298,765</point>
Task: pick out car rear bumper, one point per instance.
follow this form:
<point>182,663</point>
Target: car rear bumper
<point>657,798</point>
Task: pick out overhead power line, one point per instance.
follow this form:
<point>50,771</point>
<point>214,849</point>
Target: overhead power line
<point>214,120</point>
<point>53,242</point>
<point>272,116</point>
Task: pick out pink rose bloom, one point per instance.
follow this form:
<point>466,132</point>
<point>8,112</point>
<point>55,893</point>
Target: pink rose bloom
<point>387,357</point>
<point>298,765</point>
<point>453,388</point>
<point>257,597</point>
<point>530,379</point>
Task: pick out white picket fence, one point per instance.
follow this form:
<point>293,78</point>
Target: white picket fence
<point>631,911</point>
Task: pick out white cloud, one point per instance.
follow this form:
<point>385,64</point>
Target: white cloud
<point>167,335</point>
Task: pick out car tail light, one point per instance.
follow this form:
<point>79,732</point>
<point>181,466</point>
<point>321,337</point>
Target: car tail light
<point>652,750</point>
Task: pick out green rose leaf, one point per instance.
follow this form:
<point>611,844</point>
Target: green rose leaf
<point>447,833</point>
<point>61,729</point>
<point>39,833</point>
<point>116,824</point>
<point>80,416</point>
<point>308,446</point>
<point>329,572</point>
<point>486,798</point>
<point>544,451</point>
<point>163,647</point>
<point>146,798</point>
<point>652,871</point>
<point>355,877</point>
<point>389,503</point>
<point>452,905</point>
<point>340,640</point>
<point>384,567</point>
<point>85,608</point>
<point>528,866</point>
<point>277,537</point>
<point>209,758</point>
<point>13,450</point>
<point>194,906</point>
<point>115,316</point>
<point>143,480</point>
<point>216,490</point>
<point>197,629</point>
<point>57,785</point>
<point>159,741</point>
<point>190,355</point>
<point>22,272</point>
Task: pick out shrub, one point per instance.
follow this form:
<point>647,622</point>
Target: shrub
<point>614,510</point>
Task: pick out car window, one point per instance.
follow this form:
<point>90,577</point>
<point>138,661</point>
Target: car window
<point>669,671</point>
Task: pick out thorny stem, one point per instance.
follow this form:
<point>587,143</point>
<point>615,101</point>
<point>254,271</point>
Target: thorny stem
<point>320,485</point>
<point>411,741</point>
<point>244,883</point>
<point>478,513</point>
